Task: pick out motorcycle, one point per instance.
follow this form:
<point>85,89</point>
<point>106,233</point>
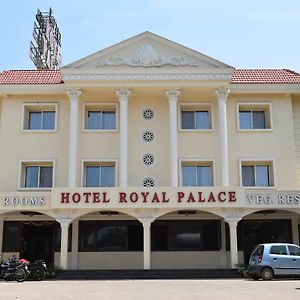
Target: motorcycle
<point>11,270</point>
<point>35,270</point>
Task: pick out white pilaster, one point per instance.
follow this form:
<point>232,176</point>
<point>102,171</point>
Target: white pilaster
<point>123,99</point>
<point>222,99</point>
<point>295,230</point>
<point>64,225</point>
<point>74,260</point>
<point>223,252</point>
<point>73,95</point>
<point>1,234</point>
<point>173,95</point>
<point>233,241</point>
<point>147,242</point>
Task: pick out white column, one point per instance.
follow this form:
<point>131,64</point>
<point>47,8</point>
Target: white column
<point>295,230</point>
<point>223,252</point>
<point>123,99</point>
<point>147,242</point>
<point>1,234</point>
<point>64,225</point>
<point>233,241</point>
<point>222,99</point>
<point>74,260</point>
<point>173,95</point>
<point>73,95</point>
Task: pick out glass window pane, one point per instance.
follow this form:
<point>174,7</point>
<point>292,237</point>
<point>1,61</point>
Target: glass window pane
<point>111,238</point>
<point>11,236</point>
<point>185,237</point>
<point>46,176</point>
<point>187,120</point>
<point>295,251</point>
<point>94,120</point>
<point>248,176</point>
<point>34,121</point>
<point>31,176</point>
<point>204,176</point>
<point>49,120</point>
<point>281,250</point>
<point>259,120</point>
<point>92,176</point>
<point>108,120</point>
<point>245,120</point>
<point>107,176</point>
<point>262,176</point>
<point>86,236</point>
<point>189,176</point>
<point>202,120</point>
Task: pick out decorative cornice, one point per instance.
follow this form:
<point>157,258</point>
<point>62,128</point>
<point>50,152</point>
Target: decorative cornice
<point>147,77</point>
<point>146,56</point>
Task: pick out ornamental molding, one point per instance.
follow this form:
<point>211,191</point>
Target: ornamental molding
<point>146,56</point>
<point>147,77</point>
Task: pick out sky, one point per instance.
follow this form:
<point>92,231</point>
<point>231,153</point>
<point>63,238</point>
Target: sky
<point>241,33</point>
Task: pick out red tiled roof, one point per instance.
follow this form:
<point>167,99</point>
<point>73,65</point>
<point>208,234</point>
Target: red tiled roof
<point>31,77</point>
<point>240,76</point>
<point>265,76</point>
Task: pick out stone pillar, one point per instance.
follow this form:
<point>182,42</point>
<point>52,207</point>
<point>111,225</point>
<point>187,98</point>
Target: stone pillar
<point>73,95</point>
<point>1,234</point>
<point>74,260</point>
<point>64,225</point>
<point>123,99</point>
<point>222,99</point>
<point>295,230</point>
<point>223,252</point>
<point>173,95</point>
<point>147,242</point>
<point>232,222</point>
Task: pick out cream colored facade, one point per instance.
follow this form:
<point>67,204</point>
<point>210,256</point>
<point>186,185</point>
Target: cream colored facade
<point>148,71</point>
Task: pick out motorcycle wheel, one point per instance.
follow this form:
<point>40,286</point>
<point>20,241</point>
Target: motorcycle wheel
<point>38,273</point>
<point>20,275</point>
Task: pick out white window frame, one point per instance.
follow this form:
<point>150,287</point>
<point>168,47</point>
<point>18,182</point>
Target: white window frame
<point>258,161</point>
<point>260,106</point>
<point>38,163</point>
<point>196,106</point>
<point>85,162</point>
<point>38,107</point>
<point>199,161</point>
<point>99,106</point>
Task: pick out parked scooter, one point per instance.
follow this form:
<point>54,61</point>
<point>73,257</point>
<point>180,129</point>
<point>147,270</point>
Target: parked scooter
<point>35,270</point>
<point>11,270</point>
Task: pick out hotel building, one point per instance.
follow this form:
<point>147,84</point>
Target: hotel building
<point>148,155</point>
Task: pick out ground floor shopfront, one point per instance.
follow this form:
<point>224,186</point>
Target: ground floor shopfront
<point>161,228</point>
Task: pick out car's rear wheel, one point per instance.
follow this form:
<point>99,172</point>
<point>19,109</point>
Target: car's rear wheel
<point>267,273</point>
<point>255,277</point>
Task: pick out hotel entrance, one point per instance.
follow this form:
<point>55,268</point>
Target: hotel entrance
<point>37,241</point>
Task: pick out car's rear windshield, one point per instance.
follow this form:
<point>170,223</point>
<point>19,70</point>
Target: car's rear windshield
<point>259,250</point>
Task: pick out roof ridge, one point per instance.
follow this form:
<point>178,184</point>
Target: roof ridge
<point>292,71</point>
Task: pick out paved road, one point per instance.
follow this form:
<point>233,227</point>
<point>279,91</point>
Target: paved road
<point>232,289</point>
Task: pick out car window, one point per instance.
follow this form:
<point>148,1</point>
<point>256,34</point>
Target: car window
<point>293,250</point>
<point>281,250</point>
<point>259,250</point>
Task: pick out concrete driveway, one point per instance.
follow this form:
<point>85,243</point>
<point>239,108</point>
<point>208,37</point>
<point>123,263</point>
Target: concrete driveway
<point>232,289</point>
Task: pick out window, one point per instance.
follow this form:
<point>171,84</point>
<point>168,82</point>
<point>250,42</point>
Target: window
<point>257,174</point>
<point>197,173</point>
<point>281,250</point>
<point>195,117</point>
<point>39,117</point>
<point>100,174</point>
<point>100,117</point>
<point>185,235</point>
<point>36,175</point>
<point>110,236</point>
<point>294,250</point>
<point>11,236</point>
<point>254,116</point>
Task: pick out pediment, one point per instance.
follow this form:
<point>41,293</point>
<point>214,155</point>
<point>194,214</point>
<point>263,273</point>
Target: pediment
<point>146,50</point>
